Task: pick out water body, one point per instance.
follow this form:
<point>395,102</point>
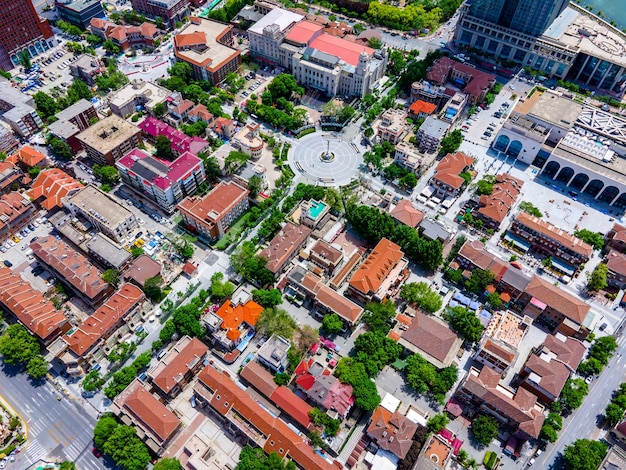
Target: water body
<point>612,9</point>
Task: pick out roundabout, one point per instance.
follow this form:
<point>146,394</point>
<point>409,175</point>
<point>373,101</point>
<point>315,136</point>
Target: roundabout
<point>325,160</point>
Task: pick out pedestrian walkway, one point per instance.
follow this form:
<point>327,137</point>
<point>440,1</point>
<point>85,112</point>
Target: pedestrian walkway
<point>354,439</point>
<point>78,445</point>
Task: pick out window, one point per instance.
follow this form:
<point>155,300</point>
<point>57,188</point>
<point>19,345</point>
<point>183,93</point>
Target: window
<point>271,443</point>
<point>225,404</point>
<point>219,397</point>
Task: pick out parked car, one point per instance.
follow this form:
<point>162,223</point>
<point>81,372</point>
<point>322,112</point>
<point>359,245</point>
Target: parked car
<point>7,263</point>
<point>96,453</point>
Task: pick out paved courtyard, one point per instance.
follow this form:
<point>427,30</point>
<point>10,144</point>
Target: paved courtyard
<point>308,158</point>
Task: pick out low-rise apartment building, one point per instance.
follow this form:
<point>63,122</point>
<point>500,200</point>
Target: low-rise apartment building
<point>170,11</point>
<point>19,298</point>
<point>51,186</point>
<point>568,252</point>
<point>10,174</point>
<point>211,215</point>
<point>79,12</point>
<point>8,142</point>
<point>72,121</point>
<point>383,269</point>
<point>152,128</point>
<point>110,139</point>
<point>87,343</point>
<point>282,248</point>
<point>15,212</point>
<point>73,268</point>
<point>87,68</point>
<point>248,140</point>
<point>616,265</point>
<point>326,256</point>
<point>245,417</point>
<point>209,48</point>
<point>166,183</point>
<point>18,110</point>
<point>447,179</point>
<point>430,133</point>
<point>392,126</point>
<point>493,208</point>
<point>178,367</point>
<point>475,83</point>
<point>102,211</point>
<point>124,101</point>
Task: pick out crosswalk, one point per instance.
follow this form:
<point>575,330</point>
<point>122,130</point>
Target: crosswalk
<point>35,452</point>
<point>78,445</point>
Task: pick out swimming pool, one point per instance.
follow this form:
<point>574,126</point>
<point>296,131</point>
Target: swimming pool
<point>316,209</point>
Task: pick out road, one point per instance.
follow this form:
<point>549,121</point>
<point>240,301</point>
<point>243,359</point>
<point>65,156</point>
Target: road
<point>584,422</point>
<point>57,430</point>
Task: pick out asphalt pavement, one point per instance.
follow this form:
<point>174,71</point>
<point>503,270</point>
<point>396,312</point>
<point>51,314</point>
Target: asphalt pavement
<point>58,430</point>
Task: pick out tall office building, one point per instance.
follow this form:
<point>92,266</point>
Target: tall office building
<point>22,29</point>
<point>531,17</point>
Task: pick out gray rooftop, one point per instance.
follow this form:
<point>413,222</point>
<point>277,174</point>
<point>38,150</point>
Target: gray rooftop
<point>319,56</point>
<point>432,230</point>
<point>278,16</point>
<point>63,129</point>
<point>104,248</point>
<point>556,110</point>
<point>80,5</point>
<point>434,127</point>
<point>91,197</point>
<point>77,108</point>
<point>516,278</point>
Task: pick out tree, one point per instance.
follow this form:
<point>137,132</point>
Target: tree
<point>485,429</point>
<point>595,239</point>
<point>187,320</point>
<point>437,422</point>
<point>573,393</point>
<point>183,245</point>
<point>17,346</point>
<point>37,367</point>
<point>251,266</point>
<point>235,160</point>
<point>163,147</point>
<point>152,288</point>
<point>78,90</point>
<point>111,277</point>
<point>255,185</point>
<point>374,43</point>
<point>168,330</point>
<point>61,148</point>
<point>375,350</point>
<point>281,378</point>
<point>283,86</point>
<point>548,433</point>
<point>465,322</point>
<point>23,57</point>
<point>276,321</point>
<point>220,289</point>
<point>422,295</point>
<point>111,47</point>
<point>424,377</point>
<point>106,173</point>
<point>159,109</point>
<point>171,463</point>
<point>494,300</point>
<point>126,449</point>
<point>103,430</point>
<point>451,142</point>
<point>136,251</point>
<point>377,316</point>
<point>212,169</point>
<point>66,465</point>
<point>408,181</point>
<point>484,187</point>
<point>46,105</point>
<point>332,324</point>
<point>614,414</point>
<point>602,349</point>
<point>529,208</point>
<point>479,280</point>
<point>584,454</point>
<point>591,366</point>
<point>267,297</point>
<point>256,459</point>
<point>352,372</point>
<point>597,280</point>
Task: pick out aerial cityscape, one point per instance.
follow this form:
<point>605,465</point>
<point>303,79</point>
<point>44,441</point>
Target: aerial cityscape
<point>273,235</point>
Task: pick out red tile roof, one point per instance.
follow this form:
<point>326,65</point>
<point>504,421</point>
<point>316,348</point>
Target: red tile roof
<point>99,325</point>
<point>215,205</point>
<point>151,414</point>
<point>226,397</point>
<point>551,375</point>
<point>347,51</point>
<point>449,168</point>
<point>29,306</point>
<point>567,349</point>
<point>13,206</point>
<point>284,245</point>
<point>72,266</point>
<point>616,262</point>
<point>53,185</point>
<point>190,39</point>
<point>433,337</point>
<point>27,155</point>
<point>302,32</point>
<point>557,299</point>
<point>478,81</point>
<point>474,252</point>
<point>553,232</point>
<point>179,363</point>
<point>259,377</point>
<point>292,404</point>
<point>496,205</point>
<point>373,272</point>
<point>392,431</point>
<point>407,214</point>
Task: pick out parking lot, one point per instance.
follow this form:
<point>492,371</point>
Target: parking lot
<point>53,72</point>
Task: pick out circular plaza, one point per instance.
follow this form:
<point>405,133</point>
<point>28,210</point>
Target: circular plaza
<point>325,159</point>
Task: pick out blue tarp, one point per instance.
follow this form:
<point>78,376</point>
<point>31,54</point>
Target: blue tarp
<point>563,267</point>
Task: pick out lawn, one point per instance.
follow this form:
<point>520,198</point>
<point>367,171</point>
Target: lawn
<point>233,232</point>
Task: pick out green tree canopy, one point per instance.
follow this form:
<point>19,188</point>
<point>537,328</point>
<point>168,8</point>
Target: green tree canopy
<point>479,280</point>
<point>283,85</point>
<point>19,348</point>
<point>424,377</point>
<point>614,414</point>
<point>422,295</point>
<point>353,372</point>
<point>597,280</point>
<point>276,321</point>
<point>255,185</point>
<point>529,208</point>
<point>163,147</point>
<point>103,430</point>
<point>126,449</point>
<point>256,459</point>
<point>375,350</point>
<point>111,277</point>
<point>437,422</point>
<point>46,105</point>
<point>485,429</point>
<point>168,464</point>
<point>451,142</point>
<point>106,173</point>
<point>61,148</point>
<point>465,322</point>
<point>78,90</point>
<point>220,289</point>
<point>584,454</point>
<point>595,239</point>
<point>267,297</point>
<point>332,324</point>
<point>573,393</point>
<point>152,288</point>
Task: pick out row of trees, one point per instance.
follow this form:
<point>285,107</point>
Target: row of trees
<point>426,378</point>
<point>19,348</point>
<point>123,377</point>
<point>373,225</point>
<point>614,412</point>
<point>599,355</point>
<point>420,294</point>
<point>47,106</point>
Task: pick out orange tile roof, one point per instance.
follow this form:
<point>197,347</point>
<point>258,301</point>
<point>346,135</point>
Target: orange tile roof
<point>182,361</point>
<point>234,316</point>
<point>29,306</point>
<point>479,81</point>
<point>101,323</point>
<point>201,111</point>
<point>226,397</point>
<point>292,404</point>
<point>450,167</point>
<point>190,39</point>
<point>422,107</point>
<point>27,155</point>
<point>372,273</point>
<point>496,205</point>
<point>558,235</point>
<point>407,214</point>
<point>13,206</point>
<point>259,377</point>
<point>71,265</point>
<point>53,185</point>
<point>216,204</point>
<point>559,300</point>
<point>150,412</point>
